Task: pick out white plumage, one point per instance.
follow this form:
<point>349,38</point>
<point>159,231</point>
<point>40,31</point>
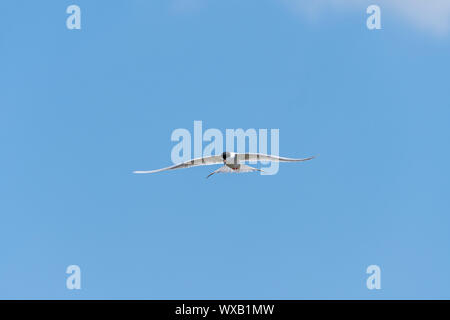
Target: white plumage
<point>232,162</point>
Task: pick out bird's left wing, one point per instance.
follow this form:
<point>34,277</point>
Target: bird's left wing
<point>266,157</point>
<point>191,163</point>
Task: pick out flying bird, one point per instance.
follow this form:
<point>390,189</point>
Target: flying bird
<point>232,162</point>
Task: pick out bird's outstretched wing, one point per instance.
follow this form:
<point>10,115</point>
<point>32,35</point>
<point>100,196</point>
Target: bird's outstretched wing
<point>266,157</point>
<point>191,163</point>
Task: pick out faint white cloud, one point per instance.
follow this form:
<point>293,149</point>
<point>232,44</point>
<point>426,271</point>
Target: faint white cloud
<point>428,15</point>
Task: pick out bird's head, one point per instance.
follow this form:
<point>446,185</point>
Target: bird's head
<point>225,155</point>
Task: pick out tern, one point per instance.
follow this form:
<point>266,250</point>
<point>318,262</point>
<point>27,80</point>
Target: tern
<point>232,162</point>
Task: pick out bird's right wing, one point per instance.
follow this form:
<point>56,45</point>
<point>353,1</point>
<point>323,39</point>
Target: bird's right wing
<point>191,163</point>
<point>266,157</point>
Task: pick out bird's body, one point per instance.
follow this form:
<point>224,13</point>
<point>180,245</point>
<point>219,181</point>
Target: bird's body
<point>232,162</point>
<point>230,159</point>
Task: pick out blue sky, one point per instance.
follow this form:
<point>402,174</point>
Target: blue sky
<point>81,109</point>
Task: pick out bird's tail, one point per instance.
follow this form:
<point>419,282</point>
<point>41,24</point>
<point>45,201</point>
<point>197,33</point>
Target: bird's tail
<point>242,168</point>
